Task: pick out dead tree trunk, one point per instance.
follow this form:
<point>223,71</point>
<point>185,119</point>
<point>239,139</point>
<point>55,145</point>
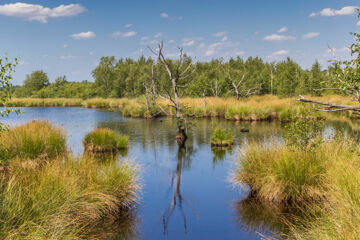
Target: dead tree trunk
<point>176,74</point>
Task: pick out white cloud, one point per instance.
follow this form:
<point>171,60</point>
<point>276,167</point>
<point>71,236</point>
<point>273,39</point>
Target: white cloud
<point>358,24</point>
<point>276,37</point>
<point>164,15</point>
<point>224,48</point>
<point>33,12</point>
<point>239,53</point>
<point>311,35</point>
<point>219,34</point>
<point>329,12</point>
<point>201,45</point>
<point>280,53</point>
<point>188,42</point>
<point>224,39</point>
<point>91,53</point>
<point>144,38</point>
<point>158,35</point>
<point>65,45</point>
<point>123,35</point>
<point>209,52</point>
<point>283,29</point>
<point>83,35</point>
<point>171,41</point>
<point>128,25</point>
<point>67,57</point>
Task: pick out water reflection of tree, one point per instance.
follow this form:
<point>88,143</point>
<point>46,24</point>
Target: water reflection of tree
<point>177,200</point>
<point>219,154</point>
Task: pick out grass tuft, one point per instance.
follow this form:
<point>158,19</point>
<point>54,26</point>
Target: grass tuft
<point>65,198</point>
<point>104,140</point>
<point>32,140</point>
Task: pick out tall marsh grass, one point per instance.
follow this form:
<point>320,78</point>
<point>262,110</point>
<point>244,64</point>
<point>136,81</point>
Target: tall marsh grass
<point>104,140</point>
<point>323,183</point>
<point>65,198</point>
<point>32,140</point>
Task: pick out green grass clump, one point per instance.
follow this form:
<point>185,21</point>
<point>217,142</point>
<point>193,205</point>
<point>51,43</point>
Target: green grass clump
<point>104,140</point>
<point>222,138</point>
<point>65,198</point>
<point>339,216</point>
<point>283,174</point>
<point>32,140</point>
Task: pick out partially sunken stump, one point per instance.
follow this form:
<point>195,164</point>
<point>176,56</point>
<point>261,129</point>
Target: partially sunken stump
<point>104,140</point>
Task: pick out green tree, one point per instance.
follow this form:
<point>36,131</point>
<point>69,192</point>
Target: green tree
<point>287,77</point>
<point>316,78</point>
<point>36,81</point>
<point>104,75</point>
<point>6,70</point>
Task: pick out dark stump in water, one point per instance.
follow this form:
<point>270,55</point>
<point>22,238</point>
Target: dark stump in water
<point>181,137</point>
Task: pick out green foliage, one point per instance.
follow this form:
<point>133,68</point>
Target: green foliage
<point>129,78</point>
<point>36,81</point>
<point>220,137</point>
<point>6,69</point>
<point>303,132</point>
<point>104,140</point>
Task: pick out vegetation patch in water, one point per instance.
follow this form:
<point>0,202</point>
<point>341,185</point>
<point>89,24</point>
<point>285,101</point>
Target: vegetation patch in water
<point>222,138</point>
<point>104,140</point>
<point>32,140</point>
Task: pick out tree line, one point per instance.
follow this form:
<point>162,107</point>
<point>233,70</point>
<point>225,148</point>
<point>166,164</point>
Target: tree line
<point>236,77</point>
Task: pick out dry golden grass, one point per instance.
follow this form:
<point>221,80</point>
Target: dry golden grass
<point>255,108</point>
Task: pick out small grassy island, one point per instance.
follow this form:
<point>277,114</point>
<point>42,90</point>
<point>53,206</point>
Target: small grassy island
<point>222,138</point>
<point>104,140</point>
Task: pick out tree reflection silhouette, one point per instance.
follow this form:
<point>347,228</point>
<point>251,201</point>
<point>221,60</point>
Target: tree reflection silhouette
<point>177,200</point>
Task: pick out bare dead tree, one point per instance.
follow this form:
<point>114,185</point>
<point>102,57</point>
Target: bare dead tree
<point>215,88</point>
<point>331,107</point>
<point>204,98</point>
<point>240,90</point>
<point>178,76</point>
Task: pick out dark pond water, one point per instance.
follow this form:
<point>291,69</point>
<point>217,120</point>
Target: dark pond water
<point>186,194</point>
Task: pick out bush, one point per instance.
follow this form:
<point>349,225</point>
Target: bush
<point>104,140</point>
<point>32,140</point>
<point>222,138</point>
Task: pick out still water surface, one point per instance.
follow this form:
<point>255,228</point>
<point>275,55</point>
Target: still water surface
<point>186,194</point>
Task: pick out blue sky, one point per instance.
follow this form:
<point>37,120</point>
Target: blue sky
<point>69,37</point>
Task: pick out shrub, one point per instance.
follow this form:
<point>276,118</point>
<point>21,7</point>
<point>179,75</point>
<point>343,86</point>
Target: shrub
<point>222,138</point>
<point>32,140</point>
<point>104,140</point>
